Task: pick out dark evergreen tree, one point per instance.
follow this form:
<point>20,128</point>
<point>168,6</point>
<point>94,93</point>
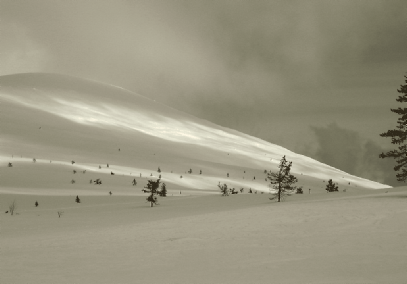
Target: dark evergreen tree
<point>77,200</point>
<point>331,187</point>
<point>299,190</point>
<point>134,182</point>
<point>36,203</point>
<point>152,188</point>
<point>163,191</point>
<point>282,181</point>
<point>159,170</point>
<point>223,189</point>
<point>250,190</point>
<point>399,136</point>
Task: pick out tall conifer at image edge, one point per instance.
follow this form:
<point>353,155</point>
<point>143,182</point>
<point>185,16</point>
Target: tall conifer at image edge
<point>282,180</point>
<point>399,136</point>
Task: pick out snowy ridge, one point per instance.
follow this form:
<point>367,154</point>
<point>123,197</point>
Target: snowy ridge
<point>98,117</point>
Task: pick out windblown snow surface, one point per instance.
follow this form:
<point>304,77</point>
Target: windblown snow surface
<point>57,119</point>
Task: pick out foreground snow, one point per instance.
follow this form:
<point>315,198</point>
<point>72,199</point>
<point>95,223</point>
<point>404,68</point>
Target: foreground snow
<point>340,237</point>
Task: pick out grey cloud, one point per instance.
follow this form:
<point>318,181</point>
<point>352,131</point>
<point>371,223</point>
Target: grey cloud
<point>255,61</point>
<point>346,150</point>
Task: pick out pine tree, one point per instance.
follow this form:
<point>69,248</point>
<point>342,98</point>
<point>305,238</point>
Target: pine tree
<point>163,191</point>
<point>223,189</point>
<point>152,188</point>
<point>36,203</point>
<point>331,187</point>
<point>77,200</point>
<point>399,136</point>
<point>282,180</point>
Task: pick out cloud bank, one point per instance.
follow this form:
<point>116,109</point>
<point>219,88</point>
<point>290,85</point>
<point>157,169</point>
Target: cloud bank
<point>266,68</point>
<point>346,150</point>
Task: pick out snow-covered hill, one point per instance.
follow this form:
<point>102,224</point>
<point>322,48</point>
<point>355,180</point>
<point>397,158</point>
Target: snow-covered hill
<point>57,119</point>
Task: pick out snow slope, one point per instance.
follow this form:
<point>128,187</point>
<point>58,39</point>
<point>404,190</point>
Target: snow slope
<point>57,119</point>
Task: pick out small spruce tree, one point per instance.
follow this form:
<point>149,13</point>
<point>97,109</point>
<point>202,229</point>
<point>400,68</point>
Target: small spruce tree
<point>331,187</point>
<point>77,200</point>
<point>36,203</point>
<point>152,188</point>
<point>163,191</point>
<point>223,189</point>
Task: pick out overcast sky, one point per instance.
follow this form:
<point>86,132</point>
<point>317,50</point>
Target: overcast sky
<point>301,74</point>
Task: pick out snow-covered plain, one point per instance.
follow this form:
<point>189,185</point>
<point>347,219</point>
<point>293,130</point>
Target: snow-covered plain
<point>194,235</point>
<point>313,238</point>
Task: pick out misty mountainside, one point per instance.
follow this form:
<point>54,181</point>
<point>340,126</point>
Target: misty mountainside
<point>56,119</point>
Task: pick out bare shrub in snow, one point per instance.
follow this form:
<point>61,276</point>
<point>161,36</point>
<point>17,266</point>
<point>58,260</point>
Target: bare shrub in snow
<point>12,207</point>
<point>223,189</point>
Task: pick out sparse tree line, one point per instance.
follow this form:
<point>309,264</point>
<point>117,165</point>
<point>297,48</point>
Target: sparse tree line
<point>282,182</point>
